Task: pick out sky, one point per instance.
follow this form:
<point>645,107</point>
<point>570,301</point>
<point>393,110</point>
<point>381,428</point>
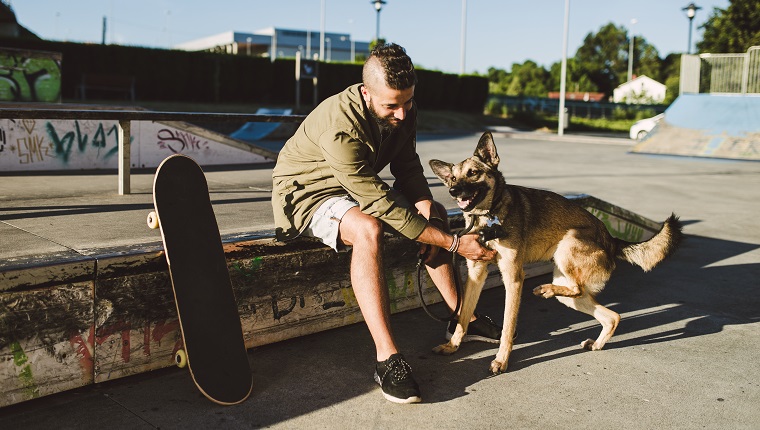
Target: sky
<point>498,33</point>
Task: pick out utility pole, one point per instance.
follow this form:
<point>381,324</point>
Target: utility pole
<point>103,38</point>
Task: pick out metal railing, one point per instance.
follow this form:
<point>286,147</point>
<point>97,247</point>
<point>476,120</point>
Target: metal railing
<point>125,118</point>
<point>721,73</point>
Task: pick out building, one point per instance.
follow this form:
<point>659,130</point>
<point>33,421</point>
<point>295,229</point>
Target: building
<point>639,90</point>
<point>282,43</point>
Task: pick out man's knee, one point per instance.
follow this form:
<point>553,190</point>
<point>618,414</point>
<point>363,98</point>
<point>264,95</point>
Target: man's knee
<point>358,228</point>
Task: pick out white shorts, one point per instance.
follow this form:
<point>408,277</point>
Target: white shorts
<point>325,223</point>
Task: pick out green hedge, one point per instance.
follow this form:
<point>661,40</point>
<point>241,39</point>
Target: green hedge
<point>172,75</point>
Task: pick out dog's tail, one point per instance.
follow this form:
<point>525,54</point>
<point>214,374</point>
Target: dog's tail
<point>649,253</point>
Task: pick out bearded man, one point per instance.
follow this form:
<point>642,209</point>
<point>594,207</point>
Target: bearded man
<point>326,185</point>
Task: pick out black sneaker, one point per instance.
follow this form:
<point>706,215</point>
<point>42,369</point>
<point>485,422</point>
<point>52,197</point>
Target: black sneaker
<point>483,329</point>
<point>395,378</point>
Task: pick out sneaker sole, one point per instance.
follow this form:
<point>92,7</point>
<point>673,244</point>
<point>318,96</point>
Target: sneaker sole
<point>413,399</point>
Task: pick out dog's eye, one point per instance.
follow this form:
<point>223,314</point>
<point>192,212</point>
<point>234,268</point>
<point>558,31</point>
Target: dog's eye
<point>473,172</point>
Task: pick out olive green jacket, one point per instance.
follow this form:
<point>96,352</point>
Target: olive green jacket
<point>337,150</point>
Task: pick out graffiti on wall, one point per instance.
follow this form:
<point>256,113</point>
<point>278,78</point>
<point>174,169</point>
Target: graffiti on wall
<point>30,76</point>
<point>63,142</point>
<point>179,142</point>
<point>30,141</point>
<point>52,144</point>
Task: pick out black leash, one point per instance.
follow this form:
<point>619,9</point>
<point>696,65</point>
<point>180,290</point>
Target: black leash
<point>457,282</point>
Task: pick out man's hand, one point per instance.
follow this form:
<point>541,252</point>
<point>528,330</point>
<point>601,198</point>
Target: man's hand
<point>428,252</point>
<point>471,249</point>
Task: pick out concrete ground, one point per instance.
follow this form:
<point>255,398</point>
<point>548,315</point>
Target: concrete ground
<point>684,356</point>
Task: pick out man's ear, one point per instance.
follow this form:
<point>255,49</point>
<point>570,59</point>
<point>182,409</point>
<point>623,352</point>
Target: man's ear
<point>442,170</point>
<point>486,150</point>
<point>365,93</point>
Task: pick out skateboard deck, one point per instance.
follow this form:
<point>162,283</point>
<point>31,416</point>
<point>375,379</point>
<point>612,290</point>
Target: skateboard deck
<point>209,321</point>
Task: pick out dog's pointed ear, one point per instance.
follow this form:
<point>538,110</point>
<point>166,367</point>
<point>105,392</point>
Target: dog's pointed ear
<point>442,170</point>
<point>486,150</point>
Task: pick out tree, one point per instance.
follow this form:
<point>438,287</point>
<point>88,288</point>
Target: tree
<point>498,81</point>
<point>733,29</point>
<point>577,80</point>
<point>528,79</point>
<point>646,60</point>
<point>671,69</point>
<point>604,57</point>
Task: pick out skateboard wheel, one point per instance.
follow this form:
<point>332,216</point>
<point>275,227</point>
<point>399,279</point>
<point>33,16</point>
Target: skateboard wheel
<point>180,358</point>
<point>153,220</point>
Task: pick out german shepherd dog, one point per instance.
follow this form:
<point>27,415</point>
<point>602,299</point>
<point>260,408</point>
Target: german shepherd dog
<point>540,225</point>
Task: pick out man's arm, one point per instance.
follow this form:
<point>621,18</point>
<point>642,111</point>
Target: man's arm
<point>469,247</point>
<point>433,234</point>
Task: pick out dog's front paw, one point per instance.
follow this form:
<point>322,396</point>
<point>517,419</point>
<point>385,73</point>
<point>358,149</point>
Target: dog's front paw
<point>544,291</point>
<point>498,367</point>
<point>445,349</point>
<point>590,345</point>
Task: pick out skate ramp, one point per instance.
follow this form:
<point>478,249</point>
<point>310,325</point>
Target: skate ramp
<point>255,131</point>
<point>708,125</point>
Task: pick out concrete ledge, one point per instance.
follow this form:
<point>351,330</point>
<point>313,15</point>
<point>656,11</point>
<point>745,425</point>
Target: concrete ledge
<point>68,322</point>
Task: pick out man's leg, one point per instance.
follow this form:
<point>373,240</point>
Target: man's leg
<point>365,234</point>
<point>441,270</point>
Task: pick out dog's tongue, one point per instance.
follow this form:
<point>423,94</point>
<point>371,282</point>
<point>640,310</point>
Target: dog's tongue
<point>463,203</point>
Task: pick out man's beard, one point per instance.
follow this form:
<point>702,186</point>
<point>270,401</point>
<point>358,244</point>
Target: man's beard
<point>386,125</point>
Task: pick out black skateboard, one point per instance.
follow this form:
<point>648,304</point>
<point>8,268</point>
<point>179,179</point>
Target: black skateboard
<point>214,348</point>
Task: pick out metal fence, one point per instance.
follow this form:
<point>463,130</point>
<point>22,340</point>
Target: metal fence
<point>574,108</point>
<point>721,73</point>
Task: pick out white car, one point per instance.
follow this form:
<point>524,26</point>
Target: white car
<point>640,129</point>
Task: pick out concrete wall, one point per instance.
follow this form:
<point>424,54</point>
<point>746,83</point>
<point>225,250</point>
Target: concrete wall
<point>54,145</point>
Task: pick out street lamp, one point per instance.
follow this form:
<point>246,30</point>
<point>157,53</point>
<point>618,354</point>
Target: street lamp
<point>630,51</point>
<point>378,5</point>
<point>691,11</point>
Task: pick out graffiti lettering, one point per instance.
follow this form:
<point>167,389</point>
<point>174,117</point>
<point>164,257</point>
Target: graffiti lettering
<point>281,313</point>
<point>2,140</point>
<point>179,141</point>
<point>64,144</point>
<point>31,149</point>
<point>24,78</point>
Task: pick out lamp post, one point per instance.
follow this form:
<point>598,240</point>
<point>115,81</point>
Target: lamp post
<point>378,6</point>
<point>691,11</point>
<point>630,51</point>
<point>563,73</point>
<point>464,37</point>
